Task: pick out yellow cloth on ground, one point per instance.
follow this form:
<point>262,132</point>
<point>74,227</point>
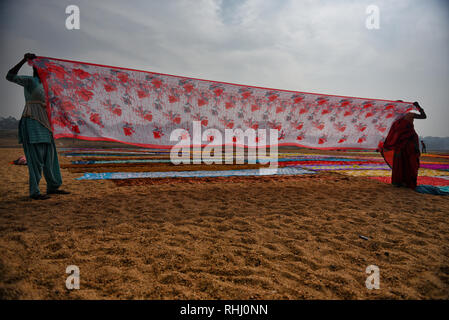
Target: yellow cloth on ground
<point>387,173</point>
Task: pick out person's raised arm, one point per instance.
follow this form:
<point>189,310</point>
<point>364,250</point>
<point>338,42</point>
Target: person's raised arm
<point>422,114</point>
<point>12,74</point>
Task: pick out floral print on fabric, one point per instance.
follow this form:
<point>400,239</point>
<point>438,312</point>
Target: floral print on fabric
<point>96,102</point>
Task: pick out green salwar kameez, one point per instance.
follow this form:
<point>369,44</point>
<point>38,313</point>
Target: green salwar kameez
<point>36,137</point>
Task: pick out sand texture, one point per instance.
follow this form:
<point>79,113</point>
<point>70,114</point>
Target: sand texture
<point>223,238</point>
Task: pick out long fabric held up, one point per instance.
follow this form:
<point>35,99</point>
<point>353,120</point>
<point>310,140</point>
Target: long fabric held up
<point>95,102</point>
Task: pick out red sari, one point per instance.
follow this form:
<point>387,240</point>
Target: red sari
<point>401,152</point>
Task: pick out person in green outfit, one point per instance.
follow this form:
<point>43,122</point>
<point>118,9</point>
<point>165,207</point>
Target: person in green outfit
<point>35,134</point>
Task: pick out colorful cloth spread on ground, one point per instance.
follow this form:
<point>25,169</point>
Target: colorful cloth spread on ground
<point>192,174</point>
<point>262,160</point>
<point>95,102</point>
<point>432,173</point>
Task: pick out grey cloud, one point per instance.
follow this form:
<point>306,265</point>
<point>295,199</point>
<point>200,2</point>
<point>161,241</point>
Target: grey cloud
<point>316,46</point>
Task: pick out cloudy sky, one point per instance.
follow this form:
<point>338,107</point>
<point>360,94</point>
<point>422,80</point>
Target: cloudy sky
<point>318,46</point>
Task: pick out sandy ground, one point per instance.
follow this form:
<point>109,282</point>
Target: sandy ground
<point>238,238</point>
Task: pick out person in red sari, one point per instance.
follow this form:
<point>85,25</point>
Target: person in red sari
<point>401,150</point>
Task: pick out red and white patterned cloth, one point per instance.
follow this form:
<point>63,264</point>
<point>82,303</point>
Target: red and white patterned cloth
<point>95,102</point>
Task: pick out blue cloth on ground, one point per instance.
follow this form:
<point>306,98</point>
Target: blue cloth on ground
<point>194,174</point>
<point>436,190</point>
